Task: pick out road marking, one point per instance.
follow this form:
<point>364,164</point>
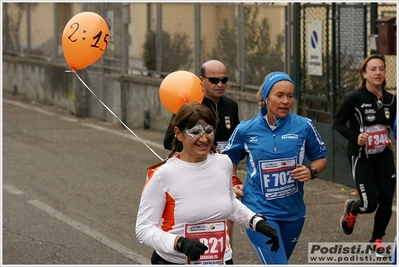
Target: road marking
<point>68,119</point>
<point>90,232</point>
<point>37,109</point>
<point>75,224</point>
<point>97,127</point>
<point>12,190</point>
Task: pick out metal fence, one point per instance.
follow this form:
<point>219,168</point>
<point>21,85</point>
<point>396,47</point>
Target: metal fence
<point>345,42</point>
<point>155,39</point>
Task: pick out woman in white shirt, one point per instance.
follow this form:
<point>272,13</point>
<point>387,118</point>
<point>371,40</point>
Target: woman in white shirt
<point>188,198</point>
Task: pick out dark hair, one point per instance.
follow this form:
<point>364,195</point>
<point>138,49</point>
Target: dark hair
<point>203,71</point>
<point>187,116</point>
<point>362,80</point>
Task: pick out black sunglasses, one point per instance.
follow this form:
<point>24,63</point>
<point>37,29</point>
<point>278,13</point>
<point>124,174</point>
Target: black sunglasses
<point>216,80</point>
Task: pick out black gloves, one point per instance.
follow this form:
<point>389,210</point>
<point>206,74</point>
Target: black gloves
<point>192,247</point>
<point>264,228</point>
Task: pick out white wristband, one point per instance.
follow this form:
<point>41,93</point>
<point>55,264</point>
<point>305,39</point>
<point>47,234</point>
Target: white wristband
<point>255,221</point>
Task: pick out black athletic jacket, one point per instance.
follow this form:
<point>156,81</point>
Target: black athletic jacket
<point>361,109</point>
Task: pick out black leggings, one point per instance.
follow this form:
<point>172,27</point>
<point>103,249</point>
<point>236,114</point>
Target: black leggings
<point>156,259</point>
<point>375,181</point>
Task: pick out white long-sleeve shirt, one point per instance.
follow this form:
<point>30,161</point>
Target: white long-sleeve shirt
<point>180,192</point>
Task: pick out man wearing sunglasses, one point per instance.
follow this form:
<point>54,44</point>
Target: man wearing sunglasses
<point>214,79</point>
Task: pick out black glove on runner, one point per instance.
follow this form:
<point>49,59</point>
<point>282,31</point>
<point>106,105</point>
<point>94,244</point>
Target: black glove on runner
<point>264,228</point>
<point>192,247</point>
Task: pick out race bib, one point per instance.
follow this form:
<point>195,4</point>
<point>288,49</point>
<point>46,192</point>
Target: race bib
<point>378,138</point>
<point>212,235</point>
<point>275,179</point>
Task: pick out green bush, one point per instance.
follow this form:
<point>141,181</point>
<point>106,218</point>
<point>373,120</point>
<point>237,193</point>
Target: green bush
<point>261,59</point>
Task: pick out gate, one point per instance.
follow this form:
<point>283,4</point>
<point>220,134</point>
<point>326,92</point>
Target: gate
<point>324,81</point>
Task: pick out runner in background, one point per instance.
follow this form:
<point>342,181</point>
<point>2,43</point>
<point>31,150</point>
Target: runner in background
<point>371,112</point>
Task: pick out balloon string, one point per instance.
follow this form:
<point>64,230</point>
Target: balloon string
<point>184,99</point>
<point>114,114</point>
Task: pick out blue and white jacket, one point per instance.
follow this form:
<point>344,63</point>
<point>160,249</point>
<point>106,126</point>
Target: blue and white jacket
<point>271,156</point>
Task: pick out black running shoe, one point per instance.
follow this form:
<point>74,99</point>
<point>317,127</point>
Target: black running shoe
<point>348,220</point>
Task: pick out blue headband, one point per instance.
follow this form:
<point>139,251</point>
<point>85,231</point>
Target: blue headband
<point>272,79</point>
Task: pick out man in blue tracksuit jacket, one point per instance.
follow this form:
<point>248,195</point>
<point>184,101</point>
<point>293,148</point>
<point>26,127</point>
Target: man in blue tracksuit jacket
<point>277,144</point>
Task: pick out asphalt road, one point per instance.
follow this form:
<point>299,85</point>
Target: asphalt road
<point>71,189</point>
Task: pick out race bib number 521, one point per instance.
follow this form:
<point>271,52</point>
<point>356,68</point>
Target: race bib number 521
<point>212,235</point>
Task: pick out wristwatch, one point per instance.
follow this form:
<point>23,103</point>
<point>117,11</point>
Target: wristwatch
<point>313,172</point>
